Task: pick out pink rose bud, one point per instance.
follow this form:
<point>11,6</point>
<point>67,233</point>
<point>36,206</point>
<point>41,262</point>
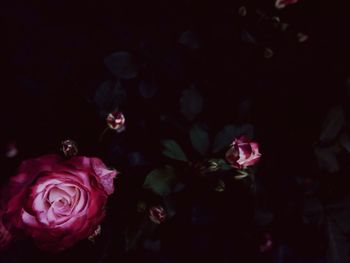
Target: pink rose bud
<point>157,214</point>
<point>279,4</point>
<point>69,148</point>
<point>56,201</point>
<point>243,153</point>
<point>116,121</point>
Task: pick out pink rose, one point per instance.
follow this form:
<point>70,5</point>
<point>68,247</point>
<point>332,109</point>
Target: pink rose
<point>283,3</point>
<point>243,153</point>
<point>157,214</point>
<point>116,121</point>
<point>57,201</point>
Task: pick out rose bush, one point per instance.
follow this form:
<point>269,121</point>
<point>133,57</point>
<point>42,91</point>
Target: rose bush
<point>57,201</point>
<point>243,153</point>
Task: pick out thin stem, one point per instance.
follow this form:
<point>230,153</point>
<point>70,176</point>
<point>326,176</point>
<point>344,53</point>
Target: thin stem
<point>100,138</point>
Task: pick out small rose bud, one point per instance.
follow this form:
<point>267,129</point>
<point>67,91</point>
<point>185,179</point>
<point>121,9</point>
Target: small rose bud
<point>116,121</point>
<point>157,214</point>
<point>243,153</point>
<point>95,234</point>
<point>11,150</point>
<point>69,148</point>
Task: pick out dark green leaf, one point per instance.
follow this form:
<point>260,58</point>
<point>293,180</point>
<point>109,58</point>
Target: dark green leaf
<point>173,150</point>
<point>191,103</point>
<point>161,181</point>
<point>120,64</point>
<point>200,139</point>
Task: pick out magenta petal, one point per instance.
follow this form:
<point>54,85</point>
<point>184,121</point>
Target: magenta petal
<point>104,175</point>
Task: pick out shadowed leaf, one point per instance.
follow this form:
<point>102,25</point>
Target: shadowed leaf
<point>120,64</point>
<point>200,139</point>
<point>173,150</point>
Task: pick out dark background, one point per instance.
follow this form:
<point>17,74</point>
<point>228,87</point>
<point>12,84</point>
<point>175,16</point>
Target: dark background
<point>52,55</point>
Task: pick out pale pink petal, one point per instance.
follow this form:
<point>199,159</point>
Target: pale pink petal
<point>69,189</point>
<point>39,203</point>
<point>29,219</point>
<point>56,194</point>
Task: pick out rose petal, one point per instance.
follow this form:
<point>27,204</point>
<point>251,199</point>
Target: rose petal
<point>56,194</point>
<point>104,175</point>
<point>29,219</point>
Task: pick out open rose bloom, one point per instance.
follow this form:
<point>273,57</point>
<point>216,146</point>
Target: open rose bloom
<point>243,153</point>
<point>56,201</point>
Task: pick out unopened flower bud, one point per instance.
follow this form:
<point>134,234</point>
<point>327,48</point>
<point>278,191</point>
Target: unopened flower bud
<point>116,121</point>
<point>69,148</point>
<point>157,214</point>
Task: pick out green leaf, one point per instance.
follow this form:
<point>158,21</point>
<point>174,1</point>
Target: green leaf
<point>191,103</point>
<point>199,139</point>
<point>120,64</point>
<point>161,181</point>
<point>225,137</point>
<point>173,150</point>
<point>109,96</point>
